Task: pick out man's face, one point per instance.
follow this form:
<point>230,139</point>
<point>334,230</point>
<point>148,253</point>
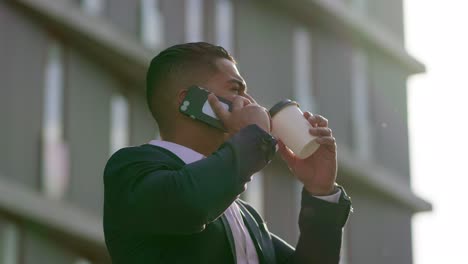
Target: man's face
<point>227,81</point>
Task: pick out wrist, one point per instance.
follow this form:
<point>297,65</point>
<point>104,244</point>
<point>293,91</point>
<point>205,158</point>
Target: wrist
<point>321,191</point>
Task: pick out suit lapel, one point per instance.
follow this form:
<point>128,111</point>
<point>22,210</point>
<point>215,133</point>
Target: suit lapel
<point>260,236</point>
<point>255,234</point>
<point>228,231</point>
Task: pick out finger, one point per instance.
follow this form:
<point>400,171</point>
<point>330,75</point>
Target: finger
<point>330,141</point>
<point>238,103</point>
<point>247,101</point>
<point>318,120</point>
<point>231,98</point>
<point>250,98</point>
<point>320,131</point>
<point>218,109</point>
<point>286,154</point>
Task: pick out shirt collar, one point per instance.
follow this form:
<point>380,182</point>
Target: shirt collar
<point>185,154</point>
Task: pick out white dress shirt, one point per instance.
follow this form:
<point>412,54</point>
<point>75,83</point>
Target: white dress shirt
<point>244,246</point>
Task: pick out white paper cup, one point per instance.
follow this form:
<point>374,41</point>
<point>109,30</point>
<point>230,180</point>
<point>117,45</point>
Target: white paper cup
<point>292,128</point>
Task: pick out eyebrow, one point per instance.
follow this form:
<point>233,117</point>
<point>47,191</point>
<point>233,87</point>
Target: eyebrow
<point>239,82</point>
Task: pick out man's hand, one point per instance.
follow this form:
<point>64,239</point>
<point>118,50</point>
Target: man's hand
<point>244,112</point>
<point>317,172</point>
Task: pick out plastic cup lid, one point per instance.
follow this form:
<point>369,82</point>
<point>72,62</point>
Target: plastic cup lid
<point>280,105</point>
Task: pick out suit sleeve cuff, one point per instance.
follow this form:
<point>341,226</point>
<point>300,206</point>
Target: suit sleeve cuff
<point>316,210</point>
<point>253,149</point>
<point>332,198</point>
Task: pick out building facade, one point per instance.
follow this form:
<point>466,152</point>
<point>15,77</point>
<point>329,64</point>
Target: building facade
<point>72,93</point>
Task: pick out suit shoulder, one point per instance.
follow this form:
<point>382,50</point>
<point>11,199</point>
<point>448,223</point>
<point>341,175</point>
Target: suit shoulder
<point>136,153</point>
<point>123,154</point>
<point>132,155</point>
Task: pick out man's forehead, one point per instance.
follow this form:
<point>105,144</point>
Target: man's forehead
<point>229,68</point>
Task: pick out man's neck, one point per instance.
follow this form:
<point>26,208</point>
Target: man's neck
<point>203,140</point>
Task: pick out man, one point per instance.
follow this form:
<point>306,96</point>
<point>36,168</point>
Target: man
<point>175,200</point>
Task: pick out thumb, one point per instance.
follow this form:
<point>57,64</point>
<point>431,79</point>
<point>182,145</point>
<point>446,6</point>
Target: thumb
<point>286,154</point>
<point>218,109</point>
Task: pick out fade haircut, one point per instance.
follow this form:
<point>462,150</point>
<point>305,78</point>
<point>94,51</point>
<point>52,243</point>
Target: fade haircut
<point>176,63</point>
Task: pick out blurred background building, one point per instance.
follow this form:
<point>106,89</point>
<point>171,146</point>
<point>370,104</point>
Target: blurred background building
<point>72,93</point>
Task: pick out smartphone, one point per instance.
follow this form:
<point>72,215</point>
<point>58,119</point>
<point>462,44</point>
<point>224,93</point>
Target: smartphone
<point>196,106</point>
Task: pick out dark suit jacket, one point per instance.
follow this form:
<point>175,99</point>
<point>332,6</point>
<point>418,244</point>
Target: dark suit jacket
<point>157,209</point>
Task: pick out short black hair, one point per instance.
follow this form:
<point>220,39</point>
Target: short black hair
<point>179,59</point>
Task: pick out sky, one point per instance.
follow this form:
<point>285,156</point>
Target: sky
<point>436,34</point>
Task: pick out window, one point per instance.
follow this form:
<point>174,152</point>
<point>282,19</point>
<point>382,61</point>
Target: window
<point>302,69</point>
<point>194,20</point>
<point>255,194</point>
<point>55,160</point>
<point>151,24</point>
<point>9,244</point>
<point>53,94</point>
<point>224,24</point>
<point>362,140</point>
<point>119,126</point>
<point>93,7</point>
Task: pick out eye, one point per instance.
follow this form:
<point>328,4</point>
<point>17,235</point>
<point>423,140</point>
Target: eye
<point>236,89</point>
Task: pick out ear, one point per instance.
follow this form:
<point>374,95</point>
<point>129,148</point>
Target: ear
<point>181,95</point>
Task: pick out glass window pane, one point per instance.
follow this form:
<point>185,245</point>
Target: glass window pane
<point>360,103</point>
<point>55,177</point>
<point>302,69</point>
<point>224,24</point>
<point>194,20</point>
<point>151,20</point>
<point>119,118</point>
<point>53,93</point>
<point>55,167</point>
